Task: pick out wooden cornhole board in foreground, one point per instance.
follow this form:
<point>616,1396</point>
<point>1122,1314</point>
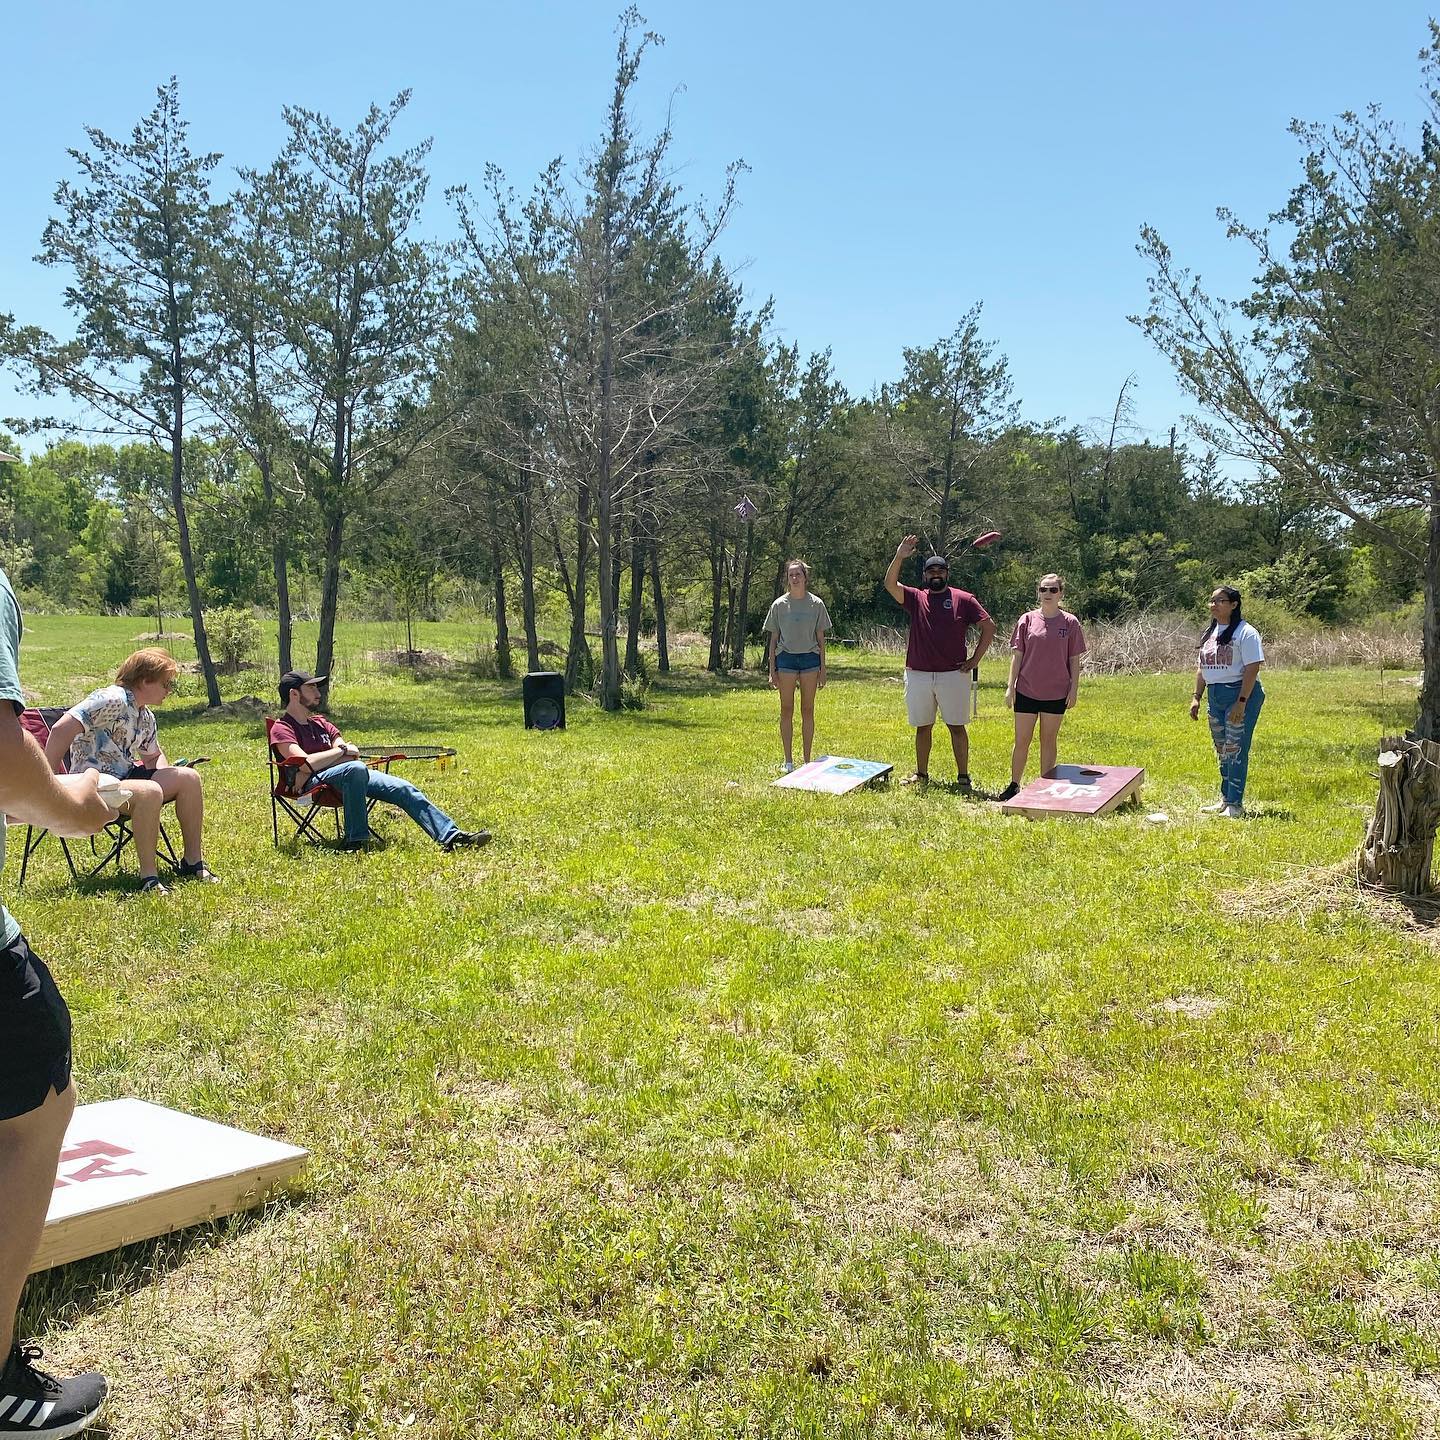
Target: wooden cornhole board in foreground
<point>130,1171</point>
<point>834,775</point>
<point>1078,790</point>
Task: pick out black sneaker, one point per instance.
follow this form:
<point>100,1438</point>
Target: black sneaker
<point>962,784</point>
<point>198,871</point>
<point>467,837</point>
<point>36,1404</point>
<point>1008,793</point>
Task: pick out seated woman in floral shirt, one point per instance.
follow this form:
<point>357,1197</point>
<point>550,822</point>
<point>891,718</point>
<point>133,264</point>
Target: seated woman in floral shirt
<point>113,730</point>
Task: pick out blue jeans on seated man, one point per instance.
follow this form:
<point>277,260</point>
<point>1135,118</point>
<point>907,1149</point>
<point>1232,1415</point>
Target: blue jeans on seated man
<point>1232,742</point>
<point>357,782</point>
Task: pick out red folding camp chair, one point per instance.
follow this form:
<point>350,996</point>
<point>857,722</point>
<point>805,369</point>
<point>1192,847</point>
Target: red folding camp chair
<point>107,847</point>
<point>303,811</point>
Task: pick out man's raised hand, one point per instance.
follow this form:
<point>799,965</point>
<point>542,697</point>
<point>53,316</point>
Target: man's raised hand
<point>907,546</point>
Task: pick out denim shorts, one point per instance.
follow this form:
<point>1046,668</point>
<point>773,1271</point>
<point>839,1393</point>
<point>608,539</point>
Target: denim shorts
<point>798,664</point>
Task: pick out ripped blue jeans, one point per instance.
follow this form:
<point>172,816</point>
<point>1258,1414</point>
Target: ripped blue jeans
<point>1232,742</point>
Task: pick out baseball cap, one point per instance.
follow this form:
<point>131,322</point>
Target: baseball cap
<point>936,560</point>
<point>294,679</point>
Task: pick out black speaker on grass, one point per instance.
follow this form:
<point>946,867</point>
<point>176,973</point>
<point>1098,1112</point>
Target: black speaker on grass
<point>544,692</point>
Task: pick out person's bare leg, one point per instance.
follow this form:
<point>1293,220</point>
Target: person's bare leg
<point>182,785</point>
<point>923,736</point>
<point>29,1154</point>
<point>960,744</point>
<point>1024,734</point>
<point>785,680</point>
<point>145,821</point>
<point>809,684</point>
<point>1049,742</point>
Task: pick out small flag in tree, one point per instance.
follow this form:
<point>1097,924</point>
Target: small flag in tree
<point>746,509</point>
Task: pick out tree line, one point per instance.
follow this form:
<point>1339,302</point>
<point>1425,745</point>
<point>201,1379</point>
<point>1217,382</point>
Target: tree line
<point>574,406</point>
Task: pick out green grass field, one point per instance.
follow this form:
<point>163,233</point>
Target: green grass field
<point>692,1107</point>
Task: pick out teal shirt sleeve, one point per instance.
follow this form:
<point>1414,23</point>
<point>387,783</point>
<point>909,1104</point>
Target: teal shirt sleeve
<point>10,693</point>
<point>10,646</point>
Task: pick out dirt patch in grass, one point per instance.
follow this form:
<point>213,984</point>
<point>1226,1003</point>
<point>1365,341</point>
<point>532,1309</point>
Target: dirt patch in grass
<point>1334,890</point>
<point>1191,1007</point>
<point>246,707</point>
<point>411,659</point>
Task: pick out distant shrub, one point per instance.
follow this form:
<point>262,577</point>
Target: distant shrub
<point>635,686</point>
<point>1276,620</point>
<point>235,636</point>
<point>1142,644</point>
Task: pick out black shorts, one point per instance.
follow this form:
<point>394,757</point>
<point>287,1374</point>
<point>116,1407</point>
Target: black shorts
<point>140,772</point>
<point>1024,705</point>
<point>34,1032</point>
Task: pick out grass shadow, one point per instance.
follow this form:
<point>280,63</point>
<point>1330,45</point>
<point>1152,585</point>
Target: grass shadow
<point>87,1287</point>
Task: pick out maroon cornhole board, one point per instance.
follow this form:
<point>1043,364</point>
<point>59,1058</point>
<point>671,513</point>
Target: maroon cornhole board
<point>1078,790</point>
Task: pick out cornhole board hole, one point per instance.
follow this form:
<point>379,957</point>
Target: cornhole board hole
<point>130,1171</point>
<point>835,775</point>
<point>1078,790</point>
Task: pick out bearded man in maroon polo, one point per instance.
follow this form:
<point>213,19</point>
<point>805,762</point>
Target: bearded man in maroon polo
<point>939,670</point>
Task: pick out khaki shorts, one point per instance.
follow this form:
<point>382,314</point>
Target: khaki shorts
<point>947,689</point>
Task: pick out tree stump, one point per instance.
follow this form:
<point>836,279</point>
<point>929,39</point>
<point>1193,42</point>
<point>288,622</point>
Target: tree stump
<point>1400,841</point>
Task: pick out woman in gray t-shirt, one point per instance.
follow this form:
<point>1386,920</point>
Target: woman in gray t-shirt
<point>796,624</point>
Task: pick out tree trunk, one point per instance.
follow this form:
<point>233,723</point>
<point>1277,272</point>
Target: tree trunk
<point>330,594</point>
<point>187,559</point>
<point>604,510</point>
<point>637,594</point>
<point>504,666</point>
<point>279,562</point>
<point>1400,840</point>
<point>578,644</point>
<point>717,601</point>
<point>742,610</point>
<point>732,569</point>
<point>609,629</point>
<point>617,560</point>
<point>662,642</point>
<point>527,576</point>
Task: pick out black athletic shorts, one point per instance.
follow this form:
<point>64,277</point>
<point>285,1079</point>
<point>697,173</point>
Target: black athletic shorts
<point>1024,705</point>
<point>34,1032</point>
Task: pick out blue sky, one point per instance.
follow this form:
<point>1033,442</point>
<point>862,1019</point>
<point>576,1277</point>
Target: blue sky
<point>906,160</point>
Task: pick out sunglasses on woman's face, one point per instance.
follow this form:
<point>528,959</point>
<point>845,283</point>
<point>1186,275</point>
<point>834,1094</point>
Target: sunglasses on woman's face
<point>1048,589</point>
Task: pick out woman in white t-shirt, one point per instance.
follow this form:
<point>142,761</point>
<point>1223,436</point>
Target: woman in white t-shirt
<point>796,623</point>
<point>1231,654</point>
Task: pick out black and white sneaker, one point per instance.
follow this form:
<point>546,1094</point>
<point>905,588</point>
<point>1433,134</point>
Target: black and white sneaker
<point>35,1404</point>
<point>1008,793</point>
<point>462,838</point>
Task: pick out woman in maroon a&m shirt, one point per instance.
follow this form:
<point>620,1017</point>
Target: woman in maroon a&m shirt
<point>1046,647</point>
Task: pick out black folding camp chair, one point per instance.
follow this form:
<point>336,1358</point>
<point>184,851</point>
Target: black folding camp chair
<point>303,811</point>
<point>106,848</point>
